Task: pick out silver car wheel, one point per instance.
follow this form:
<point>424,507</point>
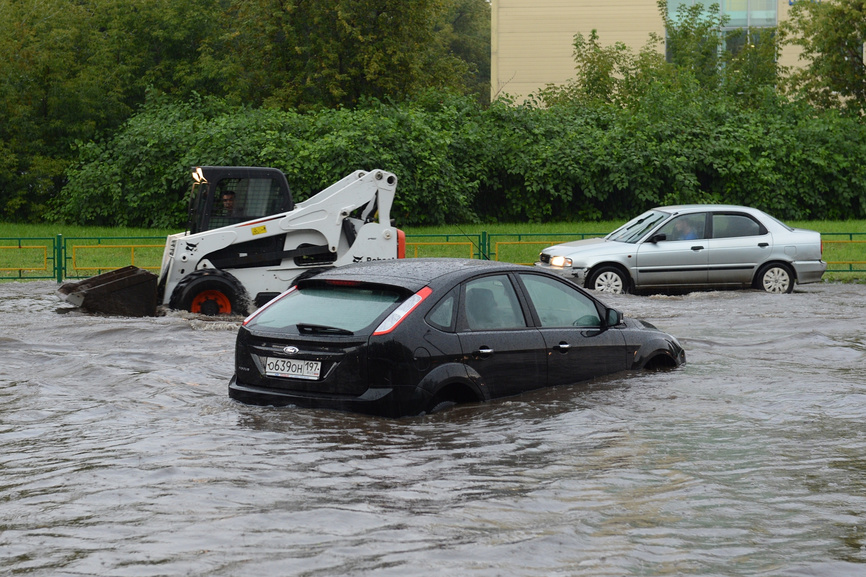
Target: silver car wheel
<point>609,281</point>
<point>776,279</point>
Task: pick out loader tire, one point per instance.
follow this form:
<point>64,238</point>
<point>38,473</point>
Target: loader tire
<point>209,292</point>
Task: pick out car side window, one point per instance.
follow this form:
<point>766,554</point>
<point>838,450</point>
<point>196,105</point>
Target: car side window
<point>733,225</point>
<point>491,303</point>
<point>559,305</point>
<point>685,227</point>
<point>443,315</point>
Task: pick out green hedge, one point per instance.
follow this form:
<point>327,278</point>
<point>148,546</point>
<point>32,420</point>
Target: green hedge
<point>459,162</point>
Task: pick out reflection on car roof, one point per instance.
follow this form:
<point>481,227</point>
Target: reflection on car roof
<point>410,272</point>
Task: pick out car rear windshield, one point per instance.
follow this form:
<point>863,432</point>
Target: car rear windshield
<point>322,308</point>
<point>635,229</point>
<point>780,223</point>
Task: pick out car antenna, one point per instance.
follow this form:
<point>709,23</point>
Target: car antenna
<point>484,255</point>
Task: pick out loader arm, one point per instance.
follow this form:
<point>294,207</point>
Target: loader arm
<point>326,211</point>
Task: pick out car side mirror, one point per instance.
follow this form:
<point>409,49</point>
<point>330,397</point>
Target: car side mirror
<point>657,237</point>
<point>614,317</point>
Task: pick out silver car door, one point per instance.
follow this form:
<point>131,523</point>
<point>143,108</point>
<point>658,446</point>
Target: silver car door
<point>738,245</point>
<point>679,258</point>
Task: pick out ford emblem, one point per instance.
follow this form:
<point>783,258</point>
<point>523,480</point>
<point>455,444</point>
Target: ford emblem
<point>291,350</point>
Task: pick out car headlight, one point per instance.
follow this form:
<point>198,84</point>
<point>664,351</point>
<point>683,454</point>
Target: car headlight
<point>560,261</point>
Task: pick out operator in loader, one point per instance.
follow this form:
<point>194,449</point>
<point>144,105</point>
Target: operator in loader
<point>228,200</point>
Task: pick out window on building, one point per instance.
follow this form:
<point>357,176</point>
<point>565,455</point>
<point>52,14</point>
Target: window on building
<point>746,20</point>
<point>741,13</point>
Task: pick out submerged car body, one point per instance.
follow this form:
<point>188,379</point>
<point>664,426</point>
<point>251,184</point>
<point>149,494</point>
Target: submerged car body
<point>693,246</point>
<point>406,337</point>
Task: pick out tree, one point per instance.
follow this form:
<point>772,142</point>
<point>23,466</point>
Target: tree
<point>694,40</point>
<point>464,31</point>
<point>41,100</point>
<point>696,54</point>
<point>751,68</point>
<point>831,35</point>
<point>311,54</point>
<point>73,71</point>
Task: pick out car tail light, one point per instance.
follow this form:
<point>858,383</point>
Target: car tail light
<point>395,318</point>
<point>260,309</point>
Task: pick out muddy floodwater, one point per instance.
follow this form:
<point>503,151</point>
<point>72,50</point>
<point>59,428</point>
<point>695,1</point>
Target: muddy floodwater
<point>122,455</point>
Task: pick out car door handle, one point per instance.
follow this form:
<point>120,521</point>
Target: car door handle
<point>697,248</point>
<point>763,244</point>
<point>562,347</point>
<point>484,351</point>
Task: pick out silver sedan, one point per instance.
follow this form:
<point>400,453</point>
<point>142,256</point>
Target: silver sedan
<point>693,246</point>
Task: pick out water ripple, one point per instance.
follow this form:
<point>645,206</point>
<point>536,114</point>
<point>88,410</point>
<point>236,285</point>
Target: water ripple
<point>124,456</point>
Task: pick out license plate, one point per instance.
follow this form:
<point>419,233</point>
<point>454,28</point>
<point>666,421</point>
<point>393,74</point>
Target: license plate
<point>293,368</point>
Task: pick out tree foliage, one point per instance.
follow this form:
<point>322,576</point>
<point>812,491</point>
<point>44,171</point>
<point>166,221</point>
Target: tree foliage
<point>100,118</point>
<point>72,71</point>
<point>694,40</point>
<point>831,35</point>
<point>464,29</point>
<point>300,54</point>
<point>458,161</point>
<point>76,71</point>
<point>689,60</point>
<point>603,74</point>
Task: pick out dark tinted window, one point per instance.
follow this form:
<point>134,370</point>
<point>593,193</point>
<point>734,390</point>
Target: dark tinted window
<point>732,225</point>
<point>340,307</point>
<point>240,199</point>
<point>491,303</point>
<point>443,315</point>
<point>559,305</point>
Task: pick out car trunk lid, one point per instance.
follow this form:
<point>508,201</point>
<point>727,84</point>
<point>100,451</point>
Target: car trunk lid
<point>336,364</point>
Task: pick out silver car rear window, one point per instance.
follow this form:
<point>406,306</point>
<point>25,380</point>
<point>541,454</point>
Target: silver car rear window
<point>350,308</point>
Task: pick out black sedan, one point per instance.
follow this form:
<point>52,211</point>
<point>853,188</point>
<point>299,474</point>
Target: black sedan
<point>412,336</point>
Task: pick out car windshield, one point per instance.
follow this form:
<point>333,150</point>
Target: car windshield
<point>328,309</point>
<point>635,229</point>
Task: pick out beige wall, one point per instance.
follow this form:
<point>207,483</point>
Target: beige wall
<point>790,56</point>
<point>531,40</point>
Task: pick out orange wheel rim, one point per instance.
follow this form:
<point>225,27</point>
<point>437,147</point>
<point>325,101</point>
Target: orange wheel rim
<point>221,300</point>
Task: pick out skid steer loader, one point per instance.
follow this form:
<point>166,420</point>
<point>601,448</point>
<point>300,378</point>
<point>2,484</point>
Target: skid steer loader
<point>247,241</point>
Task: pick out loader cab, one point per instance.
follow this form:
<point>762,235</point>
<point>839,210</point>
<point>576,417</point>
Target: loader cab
<point>226,195</point>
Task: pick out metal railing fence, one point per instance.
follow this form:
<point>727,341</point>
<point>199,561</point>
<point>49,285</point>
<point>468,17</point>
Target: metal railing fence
<point>61,258</point>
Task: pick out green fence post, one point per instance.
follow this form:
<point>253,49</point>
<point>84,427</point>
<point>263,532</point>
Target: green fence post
<point>58,258</point>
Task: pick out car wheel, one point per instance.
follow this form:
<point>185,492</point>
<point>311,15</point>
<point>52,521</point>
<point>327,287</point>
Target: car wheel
<point>609,279</point>
<point>775,278</point>
<point>209,292</point>
<point>441,406</point>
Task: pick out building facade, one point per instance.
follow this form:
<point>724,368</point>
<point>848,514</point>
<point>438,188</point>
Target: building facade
<point>532,40</point>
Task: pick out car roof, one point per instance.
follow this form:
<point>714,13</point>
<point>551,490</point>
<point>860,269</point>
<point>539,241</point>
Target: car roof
<point>415,273</point>
<point>706,207</point>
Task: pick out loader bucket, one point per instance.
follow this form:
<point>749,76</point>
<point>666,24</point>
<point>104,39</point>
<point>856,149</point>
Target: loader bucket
<point>128,291</point>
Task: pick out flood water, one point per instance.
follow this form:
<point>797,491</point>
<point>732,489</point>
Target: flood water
<point>122,455</point>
